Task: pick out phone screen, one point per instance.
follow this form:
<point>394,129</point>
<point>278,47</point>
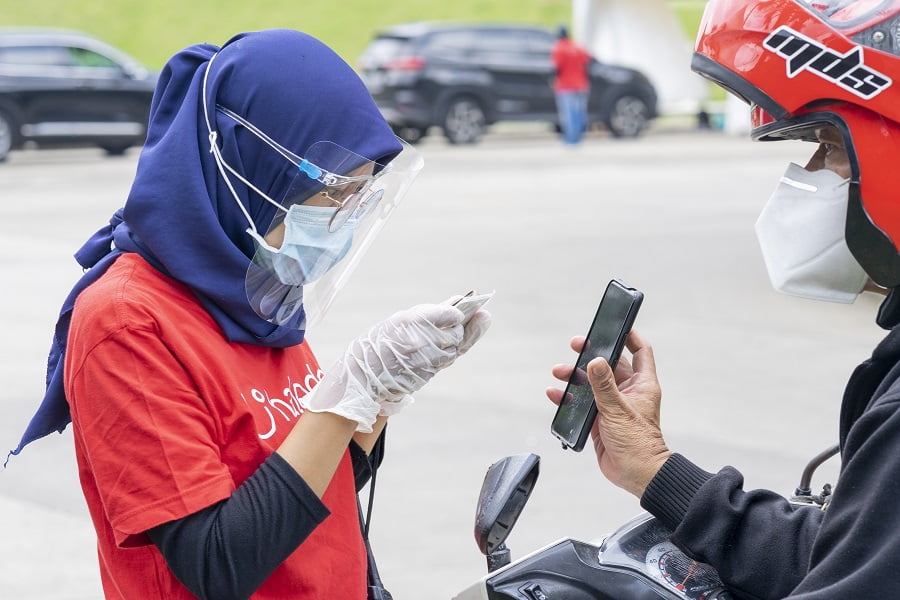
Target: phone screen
<point>606,337</point>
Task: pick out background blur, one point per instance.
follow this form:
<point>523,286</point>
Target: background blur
<point>153,31</point>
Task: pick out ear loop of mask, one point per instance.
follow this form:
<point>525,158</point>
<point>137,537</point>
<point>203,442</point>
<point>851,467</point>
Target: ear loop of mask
<point>223,167</point>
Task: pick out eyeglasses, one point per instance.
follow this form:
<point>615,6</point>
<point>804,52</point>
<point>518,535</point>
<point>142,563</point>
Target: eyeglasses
<point>351,194</point>
<point>356,203</point>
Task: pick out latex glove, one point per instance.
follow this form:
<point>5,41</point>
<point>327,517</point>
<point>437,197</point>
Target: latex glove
<point>473,328</point>
<point>382,369</point>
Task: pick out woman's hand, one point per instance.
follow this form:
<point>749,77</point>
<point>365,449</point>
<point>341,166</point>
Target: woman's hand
<point>627,437</point>
<point>381,369</point>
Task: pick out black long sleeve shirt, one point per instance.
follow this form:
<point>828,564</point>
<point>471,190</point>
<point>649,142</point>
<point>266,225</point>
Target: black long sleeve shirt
<point>764,547</point>
<point>227,550</point>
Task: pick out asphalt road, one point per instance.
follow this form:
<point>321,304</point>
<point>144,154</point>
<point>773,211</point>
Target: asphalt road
<point>750,377</point>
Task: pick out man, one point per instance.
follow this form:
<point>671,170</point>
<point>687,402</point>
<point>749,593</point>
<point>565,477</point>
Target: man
<point>823,72</point>
<point>571,86</point>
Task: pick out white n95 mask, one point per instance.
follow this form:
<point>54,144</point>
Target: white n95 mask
<point>801,234</point>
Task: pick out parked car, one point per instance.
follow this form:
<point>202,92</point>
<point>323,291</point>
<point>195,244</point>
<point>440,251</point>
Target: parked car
<point>61,87</point>
<point>465,77</point>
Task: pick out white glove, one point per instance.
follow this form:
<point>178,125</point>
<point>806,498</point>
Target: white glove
<point>381,369</point>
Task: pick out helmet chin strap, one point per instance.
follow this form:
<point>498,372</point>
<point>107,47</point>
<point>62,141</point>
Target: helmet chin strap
<point>889,311</point>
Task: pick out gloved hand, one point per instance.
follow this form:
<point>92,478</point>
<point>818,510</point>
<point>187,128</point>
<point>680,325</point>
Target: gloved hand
<point>395,358</point>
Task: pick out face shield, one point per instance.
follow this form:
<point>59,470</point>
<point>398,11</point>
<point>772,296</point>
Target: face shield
<point>332,210</point>
<point>336,205</point>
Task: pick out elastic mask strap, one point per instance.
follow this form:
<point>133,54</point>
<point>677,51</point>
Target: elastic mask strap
<point>223,167</point>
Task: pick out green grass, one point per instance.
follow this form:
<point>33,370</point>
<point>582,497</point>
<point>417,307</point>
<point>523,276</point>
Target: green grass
<point>688,13</point>
<point>151,31</point>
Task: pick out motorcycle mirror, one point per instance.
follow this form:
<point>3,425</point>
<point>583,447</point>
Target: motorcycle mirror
<point>506,488</point>
<point>803,493</point>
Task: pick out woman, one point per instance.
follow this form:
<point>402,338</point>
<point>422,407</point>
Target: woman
<point>216,457</point>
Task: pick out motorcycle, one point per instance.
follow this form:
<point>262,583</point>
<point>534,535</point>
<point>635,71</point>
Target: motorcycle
<point>636,562</point>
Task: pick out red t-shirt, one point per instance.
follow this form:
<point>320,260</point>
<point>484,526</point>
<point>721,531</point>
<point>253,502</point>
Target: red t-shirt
<point>169,418</point>
<point>571,61</point>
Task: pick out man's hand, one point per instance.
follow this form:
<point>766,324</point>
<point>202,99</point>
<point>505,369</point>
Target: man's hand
<point>627,437</point>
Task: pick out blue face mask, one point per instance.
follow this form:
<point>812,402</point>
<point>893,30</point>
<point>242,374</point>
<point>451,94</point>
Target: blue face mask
<point>309,250</point>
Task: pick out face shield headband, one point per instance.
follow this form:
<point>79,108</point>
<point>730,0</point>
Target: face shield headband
<point>344,192</point>
<point>334,206</point>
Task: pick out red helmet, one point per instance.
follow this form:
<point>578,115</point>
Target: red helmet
<point>804,63</point>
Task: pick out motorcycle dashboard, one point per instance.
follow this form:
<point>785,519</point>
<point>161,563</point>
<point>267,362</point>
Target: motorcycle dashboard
<point>643,546</point>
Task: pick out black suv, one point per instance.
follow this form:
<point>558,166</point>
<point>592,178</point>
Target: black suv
<point>64,87</point>
<point>464,77</point>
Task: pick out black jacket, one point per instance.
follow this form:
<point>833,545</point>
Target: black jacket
<point>764,547</point>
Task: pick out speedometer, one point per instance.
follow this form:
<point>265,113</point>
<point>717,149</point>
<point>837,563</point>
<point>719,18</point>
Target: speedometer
<point>691,579</point>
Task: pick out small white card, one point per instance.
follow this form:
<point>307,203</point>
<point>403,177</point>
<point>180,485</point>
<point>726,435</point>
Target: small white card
<point>471,302</point>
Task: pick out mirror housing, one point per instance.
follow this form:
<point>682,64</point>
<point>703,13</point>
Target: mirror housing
<point>507,485</point>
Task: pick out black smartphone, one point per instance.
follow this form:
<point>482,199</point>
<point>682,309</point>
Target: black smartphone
<point>606,337</point>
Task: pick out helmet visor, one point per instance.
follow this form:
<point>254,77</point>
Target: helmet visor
<point>852,14</point>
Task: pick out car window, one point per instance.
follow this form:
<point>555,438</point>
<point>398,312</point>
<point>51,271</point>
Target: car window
<point>500,42</point>
<point>538,42</point>
<point>50,60</point>
<point>450,43</point>
<point>82,57</point>
<point>384,49</point>
<point>515,48</point>
<point>33,55</point>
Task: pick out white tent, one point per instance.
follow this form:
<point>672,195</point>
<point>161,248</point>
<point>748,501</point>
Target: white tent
<point>643,34</point>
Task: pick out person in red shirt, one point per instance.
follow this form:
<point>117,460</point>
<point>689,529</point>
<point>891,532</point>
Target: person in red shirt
<point>217,458</point>
<point>571,87</point>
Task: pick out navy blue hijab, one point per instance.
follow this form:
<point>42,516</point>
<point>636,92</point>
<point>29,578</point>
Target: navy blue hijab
<point>180,215</point>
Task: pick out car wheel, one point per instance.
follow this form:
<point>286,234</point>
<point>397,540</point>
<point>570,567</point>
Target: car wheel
<point>7,135</point>
<point>464,121</point>
<point>409,133</point>
<point>628,116</point>
<point>115,149</point>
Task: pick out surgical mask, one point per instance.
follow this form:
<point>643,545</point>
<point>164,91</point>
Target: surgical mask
<point>801,234</point>
<point>309,250</point>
